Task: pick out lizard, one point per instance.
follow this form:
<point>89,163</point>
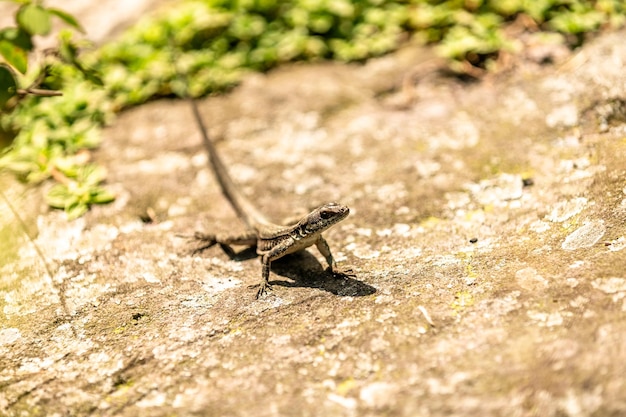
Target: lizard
<point>272,241</point>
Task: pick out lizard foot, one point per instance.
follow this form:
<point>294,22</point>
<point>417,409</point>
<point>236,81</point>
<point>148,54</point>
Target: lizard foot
<point>264,288</point>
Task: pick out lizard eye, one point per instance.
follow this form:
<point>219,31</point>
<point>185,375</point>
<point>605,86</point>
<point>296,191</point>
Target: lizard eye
<point>326,214</point>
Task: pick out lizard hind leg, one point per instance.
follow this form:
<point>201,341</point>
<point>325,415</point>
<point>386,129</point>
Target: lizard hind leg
<point>207,239</point>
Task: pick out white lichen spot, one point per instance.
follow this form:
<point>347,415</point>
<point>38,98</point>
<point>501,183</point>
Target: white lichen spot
<point>408,253</point>
<point>583,403</point>
<point>457,200</point>
<point>579,169</point>
<point>383,299</point>
<point>426,169</point>
<point>469,280</point>
<point>398,229</point>
<point>539,226</point>
<point>154,399</point>
<point>445,260</point>
<point>216,284</point>
<point>402,210</point>
<point>34,365</point>
<point>579,302</point>
<point>150,278</point>
<point>402,229</point>
<point>386,315</point>
<point>179,207</point>
<point>529,279</point>
<point>463,134</point>
<point>378,395</point>
<point>389,192</point>
<point>498,191</point>
<point>9,336</point>
<point>171,162</point>
<point>517,104</point>
<point>448,385</point>
<point>546,319</point>
<point>572,282</point>
<point>566,115</point>
<point>610,285</point>
<point>567,141</point>
<point>183,334</point>
<point>585,236</point>
<point>566,209</point>
<point>363,251</point>
<point>366,170</point>
<point>99,357</point>
<point>588,314</point>
<point>348,403</point>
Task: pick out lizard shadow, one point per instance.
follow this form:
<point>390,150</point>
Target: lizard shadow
<point>305,271</point>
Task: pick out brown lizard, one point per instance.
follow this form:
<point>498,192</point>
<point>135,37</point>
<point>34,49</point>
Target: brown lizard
<point>272,241</point>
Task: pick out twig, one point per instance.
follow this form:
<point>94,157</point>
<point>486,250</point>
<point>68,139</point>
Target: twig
<point>38,92</point>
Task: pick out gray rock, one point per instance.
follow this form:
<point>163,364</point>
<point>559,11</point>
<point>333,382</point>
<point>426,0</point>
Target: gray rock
<point>464,301</point>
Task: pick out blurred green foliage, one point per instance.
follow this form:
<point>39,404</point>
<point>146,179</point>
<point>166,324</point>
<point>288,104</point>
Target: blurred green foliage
<point>213,43</point>
<point>50,131</point>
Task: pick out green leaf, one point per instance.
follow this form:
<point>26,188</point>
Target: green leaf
<point>17,37</point>
<point>60,197</point>
<point>67,18</point>
<point>7,85</point>
<point>34,19</point>
<point>14,55</point>
<point>69,53</point>
<point>102,196</point>
<point>76,210</point>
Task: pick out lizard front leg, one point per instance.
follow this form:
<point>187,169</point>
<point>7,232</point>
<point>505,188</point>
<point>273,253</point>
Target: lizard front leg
<point>267,256</point>
<point>324,249</point>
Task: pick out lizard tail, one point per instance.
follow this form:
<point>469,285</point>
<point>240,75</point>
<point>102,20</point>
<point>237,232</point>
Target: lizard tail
<point>244,208</point>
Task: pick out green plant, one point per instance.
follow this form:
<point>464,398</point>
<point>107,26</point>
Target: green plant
<point>216,42</point>
<point>50,125</point>
<point>31,19</point>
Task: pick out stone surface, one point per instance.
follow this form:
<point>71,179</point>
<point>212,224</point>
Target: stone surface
<point>487,237</point>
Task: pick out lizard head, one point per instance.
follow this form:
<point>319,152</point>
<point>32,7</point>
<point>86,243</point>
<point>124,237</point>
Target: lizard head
<point>324,217</point>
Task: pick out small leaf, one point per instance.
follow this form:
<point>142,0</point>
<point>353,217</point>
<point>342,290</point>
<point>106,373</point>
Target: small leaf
<point>7,85</point>
<point>67,18</point>
<point>67,49</point>
<point>59,197</point>
<point>17,37</point>
<point>69,53</point>
<point>34,19</point>
<point>102,196</point>
<point>76,210</point>
<point>93,76</point>
<point>14,55</point>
